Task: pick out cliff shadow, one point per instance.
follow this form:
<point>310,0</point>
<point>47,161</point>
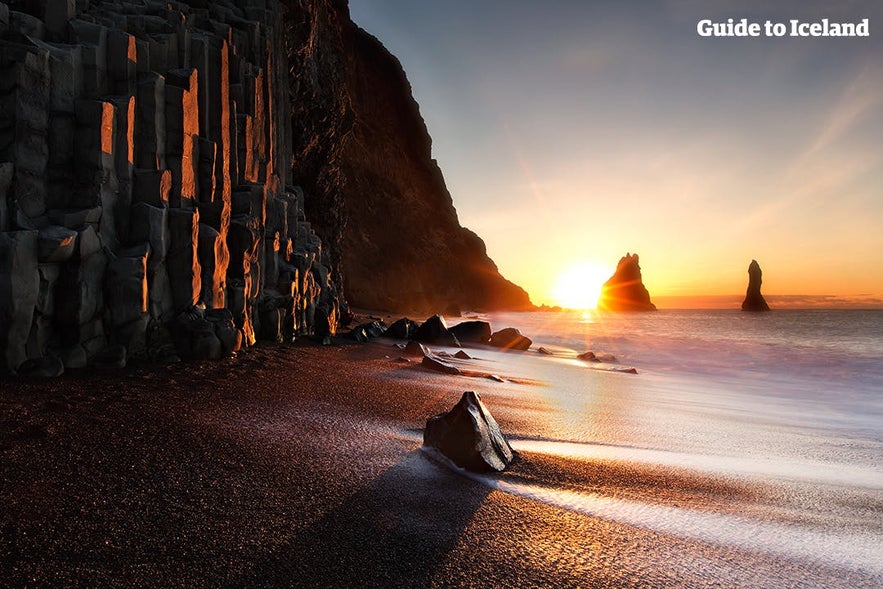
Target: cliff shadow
<point>396,532</point>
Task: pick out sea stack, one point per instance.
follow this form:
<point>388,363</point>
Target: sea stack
<point>625,290</point>
<point>754,301</point>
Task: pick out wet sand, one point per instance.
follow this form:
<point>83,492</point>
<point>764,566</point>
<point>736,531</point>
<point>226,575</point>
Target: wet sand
<point>301,467</point>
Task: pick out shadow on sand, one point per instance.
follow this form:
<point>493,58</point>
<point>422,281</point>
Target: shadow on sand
<point>393,533</point>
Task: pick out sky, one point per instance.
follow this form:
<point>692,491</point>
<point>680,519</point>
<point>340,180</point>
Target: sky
<point>571,133</point>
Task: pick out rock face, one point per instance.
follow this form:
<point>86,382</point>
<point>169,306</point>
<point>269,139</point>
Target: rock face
<point>754,301</point>
<point>625,290</point>
<point>469,435</point>
<point>380,201</point>
<point>147,207</point>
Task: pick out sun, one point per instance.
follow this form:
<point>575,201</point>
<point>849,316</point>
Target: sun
<point>579,286</point>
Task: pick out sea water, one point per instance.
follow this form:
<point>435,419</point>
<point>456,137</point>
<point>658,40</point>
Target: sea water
<point>789,403</point>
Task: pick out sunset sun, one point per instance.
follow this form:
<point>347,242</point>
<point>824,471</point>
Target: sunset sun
<point>579,286</point>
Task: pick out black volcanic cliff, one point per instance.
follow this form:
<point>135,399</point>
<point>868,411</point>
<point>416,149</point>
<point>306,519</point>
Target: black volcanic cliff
<point>160,163</point>
<point>375,195</point>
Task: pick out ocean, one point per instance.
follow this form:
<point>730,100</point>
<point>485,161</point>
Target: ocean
<point>786,405</point>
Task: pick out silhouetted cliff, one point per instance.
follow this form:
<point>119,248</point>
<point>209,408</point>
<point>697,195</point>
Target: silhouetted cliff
<point>374,194</point>
<point>625,290</point>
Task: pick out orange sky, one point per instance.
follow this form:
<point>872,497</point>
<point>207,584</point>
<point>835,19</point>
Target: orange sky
<point>572,133</point>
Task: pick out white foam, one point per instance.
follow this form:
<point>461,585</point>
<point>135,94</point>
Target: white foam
<point>773,468</point>
<point>841,548</point>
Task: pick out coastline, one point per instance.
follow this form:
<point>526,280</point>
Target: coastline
<point>301,466</point>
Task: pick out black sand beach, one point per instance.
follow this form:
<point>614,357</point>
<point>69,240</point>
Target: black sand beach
<point>309,474</point>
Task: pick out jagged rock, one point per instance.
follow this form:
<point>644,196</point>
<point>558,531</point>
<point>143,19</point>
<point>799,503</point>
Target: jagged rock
<point>461,355</point>
<point>432,330</point>
<point>472,331</point>
<point>415,349</point>
<point>544,351</point>
<point>404,328</point>
<point>754,301</point>
<point>510,339</point>
<point>435,363</point>
<point>366,331</point>
<point>195,337</point>
<point>56,244</point>
<point>625,291</point>
<point>225,330</point>
<point>469,436</point>
<point>588,357</point>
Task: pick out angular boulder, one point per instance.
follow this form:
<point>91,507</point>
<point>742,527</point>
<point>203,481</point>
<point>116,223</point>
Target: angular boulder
<point>625,290</point>
<point>469,436</point>
<point>510,339</point>
<point>404,328</point>
<point>432,330</point>
<point>366,331</point>
<point>478,332</point>
<point>415,350</point>
<point>754,301</point>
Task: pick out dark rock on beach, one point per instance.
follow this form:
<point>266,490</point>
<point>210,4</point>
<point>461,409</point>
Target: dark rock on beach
<point>510,339</point>
<point>404,328</point>
<point>367,331</point>
<point>478,332</point>
<point>625,290</point>
<point>469,435</point>
<point>415,349</point>
<point>432,330</point>
<point>435,363</point>
<point>754,301</point>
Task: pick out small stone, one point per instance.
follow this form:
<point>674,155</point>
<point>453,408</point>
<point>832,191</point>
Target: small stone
<point>435,363</point>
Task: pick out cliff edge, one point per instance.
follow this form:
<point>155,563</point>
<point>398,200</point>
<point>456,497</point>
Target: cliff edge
<point>377,198</point>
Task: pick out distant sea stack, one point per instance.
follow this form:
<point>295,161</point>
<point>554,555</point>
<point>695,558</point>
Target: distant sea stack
<point>625,290</point>
<point>380,204</point>
<point>754,301</point>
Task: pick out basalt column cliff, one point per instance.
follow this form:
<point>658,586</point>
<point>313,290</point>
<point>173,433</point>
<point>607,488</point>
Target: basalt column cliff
<point>146,203</point>
<point>158,164</point>
<point>380,202</point>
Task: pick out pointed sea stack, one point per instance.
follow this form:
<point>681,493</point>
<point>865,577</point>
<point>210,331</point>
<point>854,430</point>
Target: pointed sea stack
<point>754,301</point>
<point>625,290</point>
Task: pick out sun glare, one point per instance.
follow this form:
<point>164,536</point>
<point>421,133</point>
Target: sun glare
<point>579,286</point>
